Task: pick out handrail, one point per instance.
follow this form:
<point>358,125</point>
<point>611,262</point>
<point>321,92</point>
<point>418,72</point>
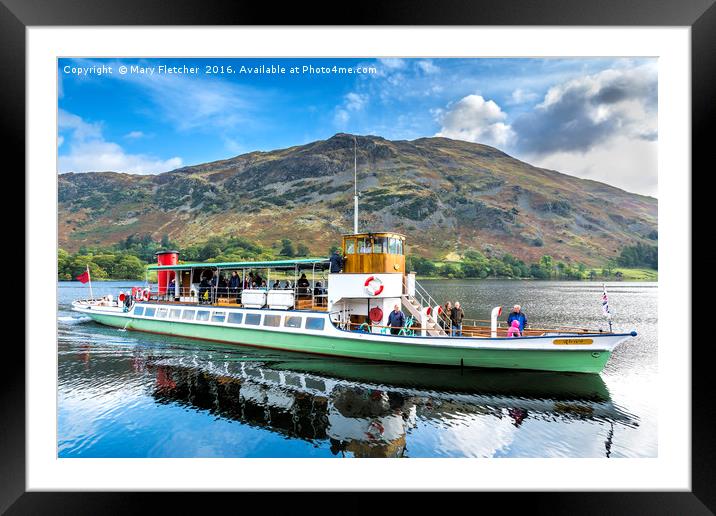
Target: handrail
<point>424,298</point>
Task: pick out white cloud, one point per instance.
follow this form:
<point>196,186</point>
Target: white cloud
<point>134,135</point>
<point>393,63</point>
<point>475,119</point>
<point>90,152</point>
<point>195,103</point>
<point>355,101</point>
<point>520,96</point>
<point>352,103</point>
<point>582,113</point>
<point>427,66</point>
<point>60,141</point>
<point>341,118</point>
<point>622,162</point>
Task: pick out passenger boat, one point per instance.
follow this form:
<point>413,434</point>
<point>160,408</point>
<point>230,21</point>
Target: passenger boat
<point>344,314</point>
<point>340,313</point>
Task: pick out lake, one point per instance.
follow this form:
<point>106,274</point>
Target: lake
<point>131,394</point>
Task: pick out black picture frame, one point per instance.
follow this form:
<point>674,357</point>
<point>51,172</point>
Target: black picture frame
<point>700,15</point>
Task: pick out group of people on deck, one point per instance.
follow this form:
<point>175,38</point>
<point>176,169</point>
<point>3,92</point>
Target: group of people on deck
<point>454,315</point>
<point>210,288</point>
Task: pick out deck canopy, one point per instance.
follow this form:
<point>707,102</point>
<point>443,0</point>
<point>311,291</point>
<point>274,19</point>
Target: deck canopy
<point>319,263</point>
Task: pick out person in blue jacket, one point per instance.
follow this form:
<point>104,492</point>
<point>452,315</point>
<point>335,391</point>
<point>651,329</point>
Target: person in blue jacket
<point>396,320</point>
<point>517,315</point>
<point>336,262</point>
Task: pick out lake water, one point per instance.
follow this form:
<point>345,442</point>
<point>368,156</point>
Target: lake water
<point>131,394</point>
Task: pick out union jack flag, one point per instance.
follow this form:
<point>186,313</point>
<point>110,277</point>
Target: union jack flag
<point>605,303</point>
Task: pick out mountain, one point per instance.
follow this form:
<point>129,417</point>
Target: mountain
<point>446,195</point>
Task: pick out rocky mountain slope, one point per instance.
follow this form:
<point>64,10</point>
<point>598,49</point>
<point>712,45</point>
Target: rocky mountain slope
<point>446,195</point>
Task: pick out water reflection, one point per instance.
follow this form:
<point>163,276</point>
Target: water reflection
<point>370,419</point>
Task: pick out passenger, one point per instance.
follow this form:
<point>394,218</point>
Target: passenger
<point>514,330</point>
<point>303,285</point>
<point>258,279</point>
<point>234,284</point>
<point>287,285</point>
<point>336,262</point>
<point>276,285</point>
<point>223,286</point>
<point>396,320</point>
<point>263,285</point>
<point>456,316</point>
<point>519,315</point>
<point>171,289</point>
<point>249,281</point>
<point>447,311</point>
<point>204,287</point>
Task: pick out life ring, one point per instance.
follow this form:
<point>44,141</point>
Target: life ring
<point>376,314</point>
<point>145,294</point>
<point>373,286</point>
<point>137,293</point>
<point>428,311</point>
<point>121,296</point>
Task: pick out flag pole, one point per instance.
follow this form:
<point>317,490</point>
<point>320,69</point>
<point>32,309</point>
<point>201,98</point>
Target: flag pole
<point>90,282</point>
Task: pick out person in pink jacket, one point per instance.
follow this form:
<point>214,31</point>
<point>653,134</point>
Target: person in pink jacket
<point>514,330</point>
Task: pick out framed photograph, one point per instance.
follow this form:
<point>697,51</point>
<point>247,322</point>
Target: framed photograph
<point>287,256</point>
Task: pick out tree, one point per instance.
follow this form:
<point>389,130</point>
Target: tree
<point>302,250</point>
<point>287,248</point>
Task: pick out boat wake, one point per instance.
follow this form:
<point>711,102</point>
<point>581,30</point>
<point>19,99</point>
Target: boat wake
<point>72,321</point>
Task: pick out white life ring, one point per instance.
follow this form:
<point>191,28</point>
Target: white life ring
<point>137,294</point>
<point>145,294</point>
<point>373,286</point>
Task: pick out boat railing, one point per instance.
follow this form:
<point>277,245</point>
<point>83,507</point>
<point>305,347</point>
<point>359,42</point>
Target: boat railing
<point>305,298</point>
<point>425,300</point>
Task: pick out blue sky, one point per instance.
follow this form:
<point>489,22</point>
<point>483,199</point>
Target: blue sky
<point>592,118</point>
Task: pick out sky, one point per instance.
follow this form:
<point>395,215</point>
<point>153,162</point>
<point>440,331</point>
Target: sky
<point>594,118</point>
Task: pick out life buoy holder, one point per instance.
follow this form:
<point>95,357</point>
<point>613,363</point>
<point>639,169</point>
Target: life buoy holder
<point>145,294</point>
<point>376,314</point>
<point>373,286</point>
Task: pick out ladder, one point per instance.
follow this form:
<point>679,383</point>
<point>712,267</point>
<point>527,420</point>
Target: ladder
<point>417,305</point>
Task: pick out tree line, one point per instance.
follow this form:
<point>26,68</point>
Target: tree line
<point>128,259</point>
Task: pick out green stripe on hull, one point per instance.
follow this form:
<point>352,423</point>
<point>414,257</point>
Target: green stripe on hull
<point>544,360</point>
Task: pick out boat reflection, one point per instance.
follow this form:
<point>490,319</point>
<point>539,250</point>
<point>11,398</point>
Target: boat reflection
<point>368,410</point>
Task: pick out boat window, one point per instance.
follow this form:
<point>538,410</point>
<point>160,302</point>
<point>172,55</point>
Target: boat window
<point>149,312</point>
<point>314,323</point>
<point>380,245</point>
<point>350,246</point>
<point>272,320</point>
<point>364,246</point>
<point>174,313</point>
<point>293,322</point>
<point>399,246</point>
<point>218,317</point>
<point>138,310</point>
<point>188,315</point>
<point>202,315</point>
<point>392,246</point>
<point>161,313</point>
<point>253,319</point>
<point>235,317</point>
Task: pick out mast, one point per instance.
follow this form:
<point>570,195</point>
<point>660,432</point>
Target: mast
<point>355,186</point>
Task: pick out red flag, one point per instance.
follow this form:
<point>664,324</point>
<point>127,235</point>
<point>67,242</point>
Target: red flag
<point>84,277</point>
